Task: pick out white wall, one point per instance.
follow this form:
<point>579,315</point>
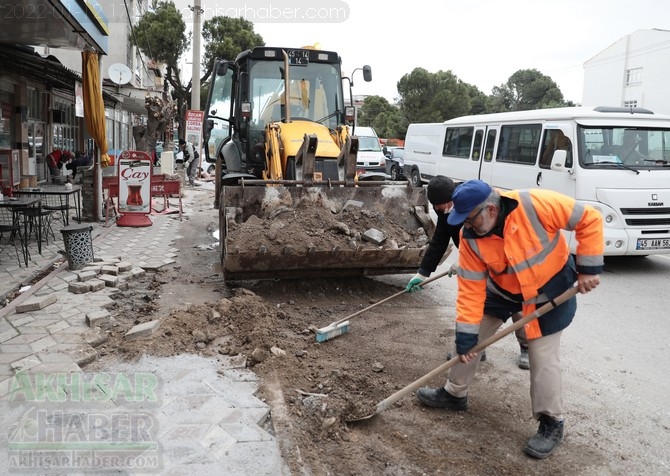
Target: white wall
<point>605,73</point>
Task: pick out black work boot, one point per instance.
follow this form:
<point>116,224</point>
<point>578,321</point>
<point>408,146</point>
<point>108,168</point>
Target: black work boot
<point>440,398</point>
<point>549,435</point>
<point>523,361</point>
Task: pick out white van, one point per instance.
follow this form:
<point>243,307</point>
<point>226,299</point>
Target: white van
<point>423,150</point>
<point>370,156</point>
<point>615,159</point>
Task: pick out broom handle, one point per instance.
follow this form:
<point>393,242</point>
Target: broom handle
<point>384,404</point>
<point>423,283</point>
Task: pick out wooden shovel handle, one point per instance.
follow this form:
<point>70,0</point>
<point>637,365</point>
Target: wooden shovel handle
<point>384,404</point>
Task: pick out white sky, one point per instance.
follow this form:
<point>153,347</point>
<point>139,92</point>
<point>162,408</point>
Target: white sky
<point>483,42</point>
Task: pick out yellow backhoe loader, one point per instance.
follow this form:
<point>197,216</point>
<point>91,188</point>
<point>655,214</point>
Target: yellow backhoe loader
<point>292,200</point>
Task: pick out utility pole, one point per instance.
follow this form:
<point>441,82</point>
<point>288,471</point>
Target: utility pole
<point>195,81</point>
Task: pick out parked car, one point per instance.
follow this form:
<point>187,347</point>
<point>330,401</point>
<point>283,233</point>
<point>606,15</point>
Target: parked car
<point>395,163</point>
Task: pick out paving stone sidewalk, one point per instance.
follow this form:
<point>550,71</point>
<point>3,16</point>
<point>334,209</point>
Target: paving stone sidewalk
<point>183,415</point>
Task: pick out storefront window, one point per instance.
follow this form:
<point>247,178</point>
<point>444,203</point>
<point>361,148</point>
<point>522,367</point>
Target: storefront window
<point>6,109</point>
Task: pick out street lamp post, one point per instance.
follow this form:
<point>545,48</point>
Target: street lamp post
<point>195,71</point>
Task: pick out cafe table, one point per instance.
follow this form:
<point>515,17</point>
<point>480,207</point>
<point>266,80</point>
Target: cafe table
<point>57,198</point>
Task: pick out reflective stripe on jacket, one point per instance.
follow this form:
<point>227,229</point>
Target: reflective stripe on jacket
<point>532,251</point>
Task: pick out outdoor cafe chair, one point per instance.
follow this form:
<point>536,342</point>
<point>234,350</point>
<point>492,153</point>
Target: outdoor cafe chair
<point>10,233</point>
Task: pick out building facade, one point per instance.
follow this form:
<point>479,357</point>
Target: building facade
<point>127,76</point>
<point>41,98</point>
<point>37,93</point>
<point>632,72</point>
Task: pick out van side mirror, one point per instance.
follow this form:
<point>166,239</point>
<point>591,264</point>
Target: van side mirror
<point>559,159</point>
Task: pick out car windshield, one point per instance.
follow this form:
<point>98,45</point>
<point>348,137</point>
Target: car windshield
<point>369,144</point>
<point>607,147</point>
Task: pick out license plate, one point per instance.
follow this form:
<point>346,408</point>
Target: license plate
<point>653,244</point>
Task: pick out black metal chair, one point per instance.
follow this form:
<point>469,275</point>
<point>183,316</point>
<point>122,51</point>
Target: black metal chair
<point>57,204</point>
<point>33,216</point>
<point>11,233</point>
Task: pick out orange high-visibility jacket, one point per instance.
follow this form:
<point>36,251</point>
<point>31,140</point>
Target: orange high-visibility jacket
<point>530,253</point>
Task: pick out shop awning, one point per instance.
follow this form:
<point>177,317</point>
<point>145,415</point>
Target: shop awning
<point>76,24</point>
<point>22,60</point>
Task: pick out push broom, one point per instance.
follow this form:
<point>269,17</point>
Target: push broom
<point>341,326</point>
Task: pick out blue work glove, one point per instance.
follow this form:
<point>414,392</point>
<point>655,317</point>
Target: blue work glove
<point>414,283</point>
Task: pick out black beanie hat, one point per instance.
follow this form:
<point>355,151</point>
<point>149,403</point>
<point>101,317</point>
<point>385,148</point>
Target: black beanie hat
<point>440,189</point>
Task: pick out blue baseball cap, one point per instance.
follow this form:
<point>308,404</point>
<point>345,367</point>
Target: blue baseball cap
<point>468,196</point>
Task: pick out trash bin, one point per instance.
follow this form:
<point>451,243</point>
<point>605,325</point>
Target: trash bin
<point>78,245</point>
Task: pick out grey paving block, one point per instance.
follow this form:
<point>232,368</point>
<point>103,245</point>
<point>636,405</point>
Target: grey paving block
<point>143,330</point>
<point>78,288</point>
<point>83,355</point>
<point>124,266</point>
<point>36,303</point>
<point>96,284</point>
<point>87,275</point>
<point>108,269</point>
<point>137,271</point>
<point>43,343</point>
<point>8,334</point>
<point>26,363</point>
<point>109,280</point>
<point>100,317</point>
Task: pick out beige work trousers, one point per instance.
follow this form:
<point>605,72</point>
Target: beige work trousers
<point>546,385</point>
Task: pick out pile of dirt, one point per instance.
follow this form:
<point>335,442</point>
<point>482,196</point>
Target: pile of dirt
<point>318,227</point>
<point>357,219</point>
<point>271,332</point>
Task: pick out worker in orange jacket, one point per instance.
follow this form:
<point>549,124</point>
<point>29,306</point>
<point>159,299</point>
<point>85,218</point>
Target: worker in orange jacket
<point>513,257</point>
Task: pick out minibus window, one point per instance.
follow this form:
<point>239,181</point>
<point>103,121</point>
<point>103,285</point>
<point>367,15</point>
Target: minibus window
<point>458,142</point>
<point>519,143</point>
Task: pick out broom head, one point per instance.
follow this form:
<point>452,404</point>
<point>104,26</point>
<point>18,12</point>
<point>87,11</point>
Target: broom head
<point>331,331</point>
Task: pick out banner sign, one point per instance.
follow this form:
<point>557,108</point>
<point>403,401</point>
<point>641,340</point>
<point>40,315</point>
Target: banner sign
<point>194,123</point>
<point>134,188</point>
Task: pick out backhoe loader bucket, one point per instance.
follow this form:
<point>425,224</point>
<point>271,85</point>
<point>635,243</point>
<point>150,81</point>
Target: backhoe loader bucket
<point>283,232</point>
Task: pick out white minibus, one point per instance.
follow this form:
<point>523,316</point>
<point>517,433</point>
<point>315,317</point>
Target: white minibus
<point>615,159</point>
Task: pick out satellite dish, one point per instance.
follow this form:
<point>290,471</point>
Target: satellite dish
<point>119,73</point>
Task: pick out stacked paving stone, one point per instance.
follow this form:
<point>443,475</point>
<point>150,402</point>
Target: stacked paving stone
<point>98,275</point>
<point>72,328</point>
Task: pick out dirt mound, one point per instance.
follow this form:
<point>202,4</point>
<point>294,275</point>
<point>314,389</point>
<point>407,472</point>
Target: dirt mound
<point>318,227</point>
<point>273,333</point>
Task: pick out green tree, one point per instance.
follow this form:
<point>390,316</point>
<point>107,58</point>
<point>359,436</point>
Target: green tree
<point>227,37</point>
<point>478,99</point>
<point>524,90</point>
<point>432,97</point>
<point>372,107</point>
<point>385,118</point>
<point>161,36</point>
